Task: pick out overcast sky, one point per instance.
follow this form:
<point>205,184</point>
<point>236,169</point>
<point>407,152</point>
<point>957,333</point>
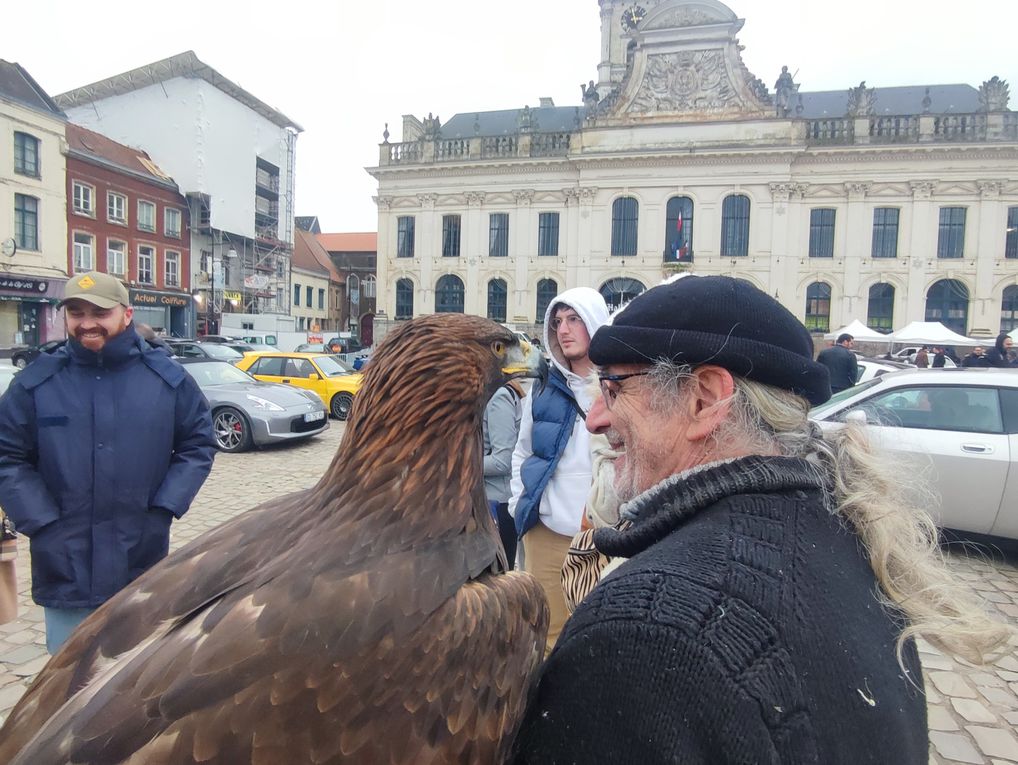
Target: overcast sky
<point>342,69</point>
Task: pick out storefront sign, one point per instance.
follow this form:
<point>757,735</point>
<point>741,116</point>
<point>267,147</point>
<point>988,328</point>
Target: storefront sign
<point>256,281</point>
<point>22,284</point>
<point>227,295</point>
<point>163,299</point>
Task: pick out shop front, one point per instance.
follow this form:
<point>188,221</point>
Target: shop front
<point>167,313</point>
<point>28,310</point>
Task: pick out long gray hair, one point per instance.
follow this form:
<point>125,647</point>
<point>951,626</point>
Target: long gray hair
<point>900,538</point>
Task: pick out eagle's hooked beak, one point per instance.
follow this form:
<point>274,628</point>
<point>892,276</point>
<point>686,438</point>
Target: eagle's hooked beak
<point>525,360</point>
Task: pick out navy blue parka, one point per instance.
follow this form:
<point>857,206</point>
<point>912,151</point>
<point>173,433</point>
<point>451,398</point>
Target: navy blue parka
<point>98,453</point>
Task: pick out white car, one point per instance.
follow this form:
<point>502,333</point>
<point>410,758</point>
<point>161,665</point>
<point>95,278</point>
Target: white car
<point>955,430</point>
<point>870,368</point>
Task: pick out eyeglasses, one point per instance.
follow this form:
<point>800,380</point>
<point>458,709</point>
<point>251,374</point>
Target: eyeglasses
<point>610,385</point>
<point>572,320</point>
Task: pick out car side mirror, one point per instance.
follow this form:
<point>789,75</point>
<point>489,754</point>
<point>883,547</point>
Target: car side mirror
<point>312,376</point>
<point>857,416</point>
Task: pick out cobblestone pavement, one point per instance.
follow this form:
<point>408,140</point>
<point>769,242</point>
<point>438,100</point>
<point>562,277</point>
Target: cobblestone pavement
<point>973,711</point>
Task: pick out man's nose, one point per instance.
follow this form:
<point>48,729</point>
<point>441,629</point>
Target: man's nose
<point>598,418</point>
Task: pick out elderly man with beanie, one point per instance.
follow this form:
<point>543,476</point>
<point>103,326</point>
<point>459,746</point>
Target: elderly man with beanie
<point>551,471</point>
<point>773,585</point>
<point>103,443</point>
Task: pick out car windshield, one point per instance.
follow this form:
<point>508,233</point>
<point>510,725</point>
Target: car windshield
<point>333,366</point>
<point>209,373</point>
<point>221,351</point>
<point>818,412</point>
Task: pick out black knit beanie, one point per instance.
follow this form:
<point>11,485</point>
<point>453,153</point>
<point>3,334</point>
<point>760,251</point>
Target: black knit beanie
<point>715,320</point>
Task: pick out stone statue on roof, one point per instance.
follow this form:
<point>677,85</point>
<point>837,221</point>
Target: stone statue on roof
<point>994,95</point>
<point>589,93</point>
<point>861,101</point>
<point>785,91</point>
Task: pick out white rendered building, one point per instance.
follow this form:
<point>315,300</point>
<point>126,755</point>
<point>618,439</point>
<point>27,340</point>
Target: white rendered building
<point>885,205</point>
<point>233,157</point>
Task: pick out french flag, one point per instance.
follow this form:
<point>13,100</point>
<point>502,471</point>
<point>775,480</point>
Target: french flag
<point>680,247</point>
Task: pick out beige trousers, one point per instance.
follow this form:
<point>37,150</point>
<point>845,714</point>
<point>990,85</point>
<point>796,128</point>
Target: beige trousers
<point>544,552</point>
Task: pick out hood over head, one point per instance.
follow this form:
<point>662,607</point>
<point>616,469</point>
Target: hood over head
<point>588,304</point>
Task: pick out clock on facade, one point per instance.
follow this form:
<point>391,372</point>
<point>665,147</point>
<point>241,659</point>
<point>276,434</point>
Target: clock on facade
<point>632,16</point>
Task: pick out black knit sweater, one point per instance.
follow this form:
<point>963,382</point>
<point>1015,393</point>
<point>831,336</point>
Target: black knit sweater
<point>744,629</point>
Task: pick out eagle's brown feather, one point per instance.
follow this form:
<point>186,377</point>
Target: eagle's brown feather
<point>365,620</point>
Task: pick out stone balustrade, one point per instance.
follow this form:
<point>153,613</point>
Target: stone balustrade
<point>828,131</point>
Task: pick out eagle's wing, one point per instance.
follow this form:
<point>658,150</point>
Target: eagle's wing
<point>450,687</point>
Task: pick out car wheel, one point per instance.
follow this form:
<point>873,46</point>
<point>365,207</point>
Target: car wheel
<point>232,431</point>
<point>340,405</point>
<point>20,362</point>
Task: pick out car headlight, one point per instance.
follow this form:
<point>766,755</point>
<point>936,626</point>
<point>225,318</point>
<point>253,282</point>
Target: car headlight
<point>261,403</point>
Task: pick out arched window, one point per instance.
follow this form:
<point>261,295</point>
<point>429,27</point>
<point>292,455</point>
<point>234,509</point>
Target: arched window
<point>880,312</point>
<point>679,230</point>
<point>618,292</point>
<point>404,299</point>
<point>369,287</point>
<point>735,226</point>
<point>948,302</point>
<point>1009,309</point>
<point>818,307</point>
<point>547,289</point>
<point>625,217</point>
<point>449,294</point>
<point>497,294</point>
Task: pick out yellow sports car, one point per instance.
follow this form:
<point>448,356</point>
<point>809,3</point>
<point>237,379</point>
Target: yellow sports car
<point>334,382</point>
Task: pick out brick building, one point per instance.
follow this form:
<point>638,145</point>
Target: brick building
<point>126,217</point>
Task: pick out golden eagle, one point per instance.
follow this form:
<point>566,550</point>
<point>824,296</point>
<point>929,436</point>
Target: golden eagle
<point>369,619</point>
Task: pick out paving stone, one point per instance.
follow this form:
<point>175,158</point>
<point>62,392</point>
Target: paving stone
<point>995,742</point>
<point>1011,677</point>
<point>1000,696</point>
<point>1011,717</point>
<point>932,697</point>
<point>31,668</point>
<point>9,695</point>
<point>1010,663</point>
<point>952,684</point>
<point>935,661</point>
<point>1010,610</point>
<point>23,654</point>
<point>955,747</point>
<point>973,711</point>
<point>985,678</point>
<point>940,719</point>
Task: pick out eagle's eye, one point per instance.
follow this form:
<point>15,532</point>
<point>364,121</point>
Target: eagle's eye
<point>499,348</point>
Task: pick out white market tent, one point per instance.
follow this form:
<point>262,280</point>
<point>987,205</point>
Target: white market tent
<point>930,333</point>
<point>860,332</point>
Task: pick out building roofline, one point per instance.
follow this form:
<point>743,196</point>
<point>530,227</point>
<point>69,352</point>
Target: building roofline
<point>111,165</point>
<point>51,107</point>
<point>186,64</point>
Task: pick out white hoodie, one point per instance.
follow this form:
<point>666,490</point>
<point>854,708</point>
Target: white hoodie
<point>566,493</point>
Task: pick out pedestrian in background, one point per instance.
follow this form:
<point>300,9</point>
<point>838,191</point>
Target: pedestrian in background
<point>977,358</point>
<point>552,461</point>
<point>102,444</point>
<point>1000,354</point>
<point>841,363</point>
<point>922,358</point>
<point>501,429</point>
<point>939,357</point>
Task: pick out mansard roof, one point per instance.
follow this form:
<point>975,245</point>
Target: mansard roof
<point>16,84</point>
<point>907,99</point>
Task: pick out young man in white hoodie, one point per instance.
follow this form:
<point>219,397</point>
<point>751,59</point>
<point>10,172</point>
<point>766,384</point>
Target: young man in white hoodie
<point>551,472</point>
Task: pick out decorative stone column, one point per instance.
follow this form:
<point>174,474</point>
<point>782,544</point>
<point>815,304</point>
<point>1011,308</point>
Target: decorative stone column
<point>922,248</point>
<point>854,246</point>
<point>385,297</point>
<point>578,261</point>
<point>474,253</point>
<point>990,245</point>
<point>782,271</point>
<point>429,251</point>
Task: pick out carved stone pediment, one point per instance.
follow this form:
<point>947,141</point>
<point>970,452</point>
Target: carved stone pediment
<point>684,62</point>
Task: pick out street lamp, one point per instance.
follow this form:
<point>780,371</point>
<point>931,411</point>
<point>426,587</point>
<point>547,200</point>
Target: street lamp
<point>216,309</point>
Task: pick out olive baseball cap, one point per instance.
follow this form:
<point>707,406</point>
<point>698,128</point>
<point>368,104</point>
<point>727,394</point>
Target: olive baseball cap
<point>97,288</point>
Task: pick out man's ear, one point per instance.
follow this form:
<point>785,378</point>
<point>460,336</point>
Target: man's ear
<point>710,393</point>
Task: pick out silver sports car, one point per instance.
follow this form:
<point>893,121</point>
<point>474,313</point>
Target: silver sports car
<point>246,411</point>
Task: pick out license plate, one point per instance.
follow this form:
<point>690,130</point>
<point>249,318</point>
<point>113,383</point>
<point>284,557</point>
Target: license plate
<point>314,416</point>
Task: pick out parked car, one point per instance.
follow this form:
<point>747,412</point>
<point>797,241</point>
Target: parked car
<point>242,348</point>
<point>247,412</point>
<point>323,373</point>
<point>956,430</point>
<point>908,354</point>
<point>192,349</point>
<point>22,357</point>
<point>870,368</point>
<point>311,348</point>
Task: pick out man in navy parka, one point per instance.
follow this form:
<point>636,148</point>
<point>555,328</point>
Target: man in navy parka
<point>103,443</point>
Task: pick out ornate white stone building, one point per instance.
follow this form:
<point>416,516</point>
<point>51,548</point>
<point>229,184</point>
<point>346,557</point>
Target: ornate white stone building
<point>887,205</point>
